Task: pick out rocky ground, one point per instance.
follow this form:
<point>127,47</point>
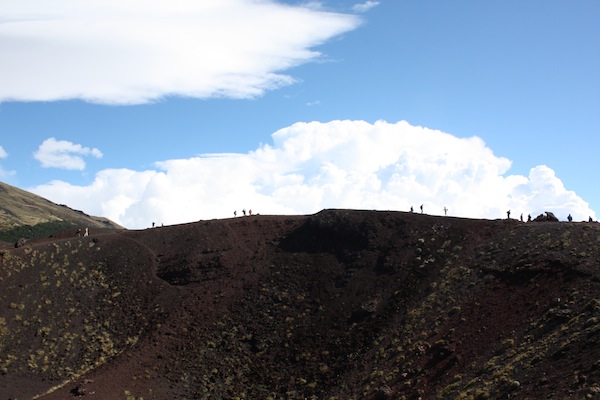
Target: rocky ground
<point>337,305</point>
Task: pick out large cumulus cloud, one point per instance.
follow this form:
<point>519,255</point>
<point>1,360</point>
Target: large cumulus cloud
<point>315,165</point>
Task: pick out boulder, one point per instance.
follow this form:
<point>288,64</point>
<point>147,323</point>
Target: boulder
<point>548,217</point>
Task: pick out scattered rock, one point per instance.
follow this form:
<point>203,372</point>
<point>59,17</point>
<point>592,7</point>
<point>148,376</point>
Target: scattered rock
<point>383,393</point>
<point>365,310</point>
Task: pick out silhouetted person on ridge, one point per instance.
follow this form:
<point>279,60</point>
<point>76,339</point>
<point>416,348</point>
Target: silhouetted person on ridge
<point>570,218</point>
<point>508,214</point>
<point>421,208</point>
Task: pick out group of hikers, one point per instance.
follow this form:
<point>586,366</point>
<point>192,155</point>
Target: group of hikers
<point>81,233</point>
<point>548,217</point>
<point>570,218</point>
<point>243,212</point>
<point>421,207</point>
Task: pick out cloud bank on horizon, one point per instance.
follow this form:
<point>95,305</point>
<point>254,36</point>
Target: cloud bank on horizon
<point>139,51</point>
<point>312,166</point>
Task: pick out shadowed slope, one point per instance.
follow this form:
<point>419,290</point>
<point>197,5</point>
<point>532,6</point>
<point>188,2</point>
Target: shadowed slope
<point>340,304</point>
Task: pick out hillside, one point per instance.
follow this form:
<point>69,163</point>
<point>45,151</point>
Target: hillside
<point>19,209</point>
<point>337,305</point>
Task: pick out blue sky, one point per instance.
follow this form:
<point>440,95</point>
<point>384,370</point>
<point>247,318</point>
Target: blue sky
<point>171,112</point>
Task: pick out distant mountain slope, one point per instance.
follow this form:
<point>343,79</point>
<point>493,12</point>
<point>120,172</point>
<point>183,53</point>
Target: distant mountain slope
<point>21,208</point>
<point>343,304</point>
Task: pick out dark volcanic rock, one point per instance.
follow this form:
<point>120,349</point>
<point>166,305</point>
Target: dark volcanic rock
<point>341,304</point>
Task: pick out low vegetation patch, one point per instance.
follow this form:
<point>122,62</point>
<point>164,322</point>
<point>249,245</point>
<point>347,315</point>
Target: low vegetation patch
<point>37,231</point>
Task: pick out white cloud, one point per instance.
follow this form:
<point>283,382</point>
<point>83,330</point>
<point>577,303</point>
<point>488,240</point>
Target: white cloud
<point>339,164</point>
<point>3,172</point>
<point>63,154</point>
<point>364,7</point>
<point>137,51</point>
<point>313,5</point>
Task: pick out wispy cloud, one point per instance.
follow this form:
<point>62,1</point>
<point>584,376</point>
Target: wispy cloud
<point>63,154</point>
<point>138,51</point>
<point>312,166</point>
<point>3,172</point>
<point>364,7</point>
<point>313,5</point>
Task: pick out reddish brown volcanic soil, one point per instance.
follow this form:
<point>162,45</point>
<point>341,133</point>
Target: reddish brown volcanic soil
<point>338,305</point>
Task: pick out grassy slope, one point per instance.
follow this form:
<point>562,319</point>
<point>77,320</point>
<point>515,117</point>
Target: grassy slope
<point>19,208</point>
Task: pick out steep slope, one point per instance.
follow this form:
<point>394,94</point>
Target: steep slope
<point>20,208</point>
<point>338,305</point>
